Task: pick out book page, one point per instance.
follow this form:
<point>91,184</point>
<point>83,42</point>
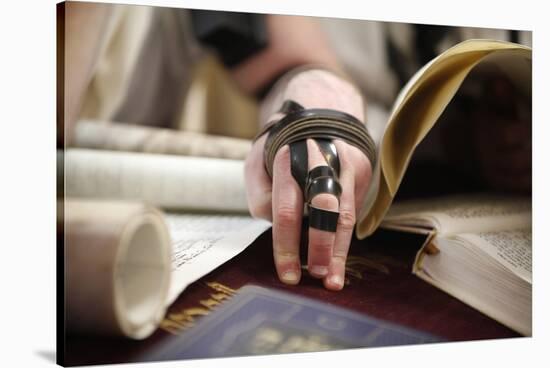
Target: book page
<point>201,243</point>
<point>462,213</point>
<point>173,182</point>
<point>489,271</point>
<point>513,249</point>
<point>422,102</point>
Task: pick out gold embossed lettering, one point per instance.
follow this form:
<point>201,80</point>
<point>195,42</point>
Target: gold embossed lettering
<point>175,322</point>
<point>221,288</point>
<point>219,296</point>
<point>209,303</point>
<point>171,326</point>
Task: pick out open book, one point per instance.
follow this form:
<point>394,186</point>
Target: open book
<point>419,105</point>
<point>146,257</point>
<point>478,250</point>
<point>482,244</point>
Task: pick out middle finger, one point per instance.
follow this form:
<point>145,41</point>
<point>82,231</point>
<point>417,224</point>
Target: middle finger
<point>320,242</point>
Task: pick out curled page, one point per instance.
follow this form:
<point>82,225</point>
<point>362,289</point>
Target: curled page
<point>421,103</point>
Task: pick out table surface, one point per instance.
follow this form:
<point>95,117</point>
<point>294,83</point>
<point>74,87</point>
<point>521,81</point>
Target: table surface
<point>379,283</point>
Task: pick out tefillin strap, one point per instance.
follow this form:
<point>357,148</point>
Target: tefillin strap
<point>322,126</point>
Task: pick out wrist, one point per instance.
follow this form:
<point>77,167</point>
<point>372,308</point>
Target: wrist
<point>313,86</point>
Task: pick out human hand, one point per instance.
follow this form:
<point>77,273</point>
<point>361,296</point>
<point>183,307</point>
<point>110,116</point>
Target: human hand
<point>280,199</point>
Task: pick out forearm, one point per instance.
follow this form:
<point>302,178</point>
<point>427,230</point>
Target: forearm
<point>313,87</point>
<point>293,41</point>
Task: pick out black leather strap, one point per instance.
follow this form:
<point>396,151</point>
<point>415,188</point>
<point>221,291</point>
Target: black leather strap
<point>298,163</point>
<point>324,184</point>
<point>320,171</point>
<point>321,179</point>
<point>322,219</point>
<point>290,106</point>
<point>328,150</point>
<point>321,124</point>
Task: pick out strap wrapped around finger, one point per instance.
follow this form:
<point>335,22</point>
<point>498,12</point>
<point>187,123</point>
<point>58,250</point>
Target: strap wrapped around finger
<point>322,219</point>
<point>321,125</point>
<point>325,184</point>
<point>319,180</point>
<point>298,163</point>
<point>328,150</point>
<point>322,180</point>
<point>322,171</point>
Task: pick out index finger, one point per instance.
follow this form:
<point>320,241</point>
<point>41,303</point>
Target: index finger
<point>287,205</point>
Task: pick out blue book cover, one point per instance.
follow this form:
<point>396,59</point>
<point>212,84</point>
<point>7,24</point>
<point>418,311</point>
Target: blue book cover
<point>265,321</point>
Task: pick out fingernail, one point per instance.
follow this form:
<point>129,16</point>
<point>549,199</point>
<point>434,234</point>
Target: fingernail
<point>336,280</point>
<point>290,277</point>
<point>319,270</point>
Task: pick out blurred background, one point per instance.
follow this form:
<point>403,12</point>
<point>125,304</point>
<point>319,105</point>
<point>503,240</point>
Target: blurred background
<point>190,82</point>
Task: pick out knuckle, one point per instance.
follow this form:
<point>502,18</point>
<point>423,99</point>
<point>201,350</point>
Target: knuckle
<point>286,217</point>
<point>346,220</point>
<point>282,157</point>
<point>339,257</point>
<point>284,254</point>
